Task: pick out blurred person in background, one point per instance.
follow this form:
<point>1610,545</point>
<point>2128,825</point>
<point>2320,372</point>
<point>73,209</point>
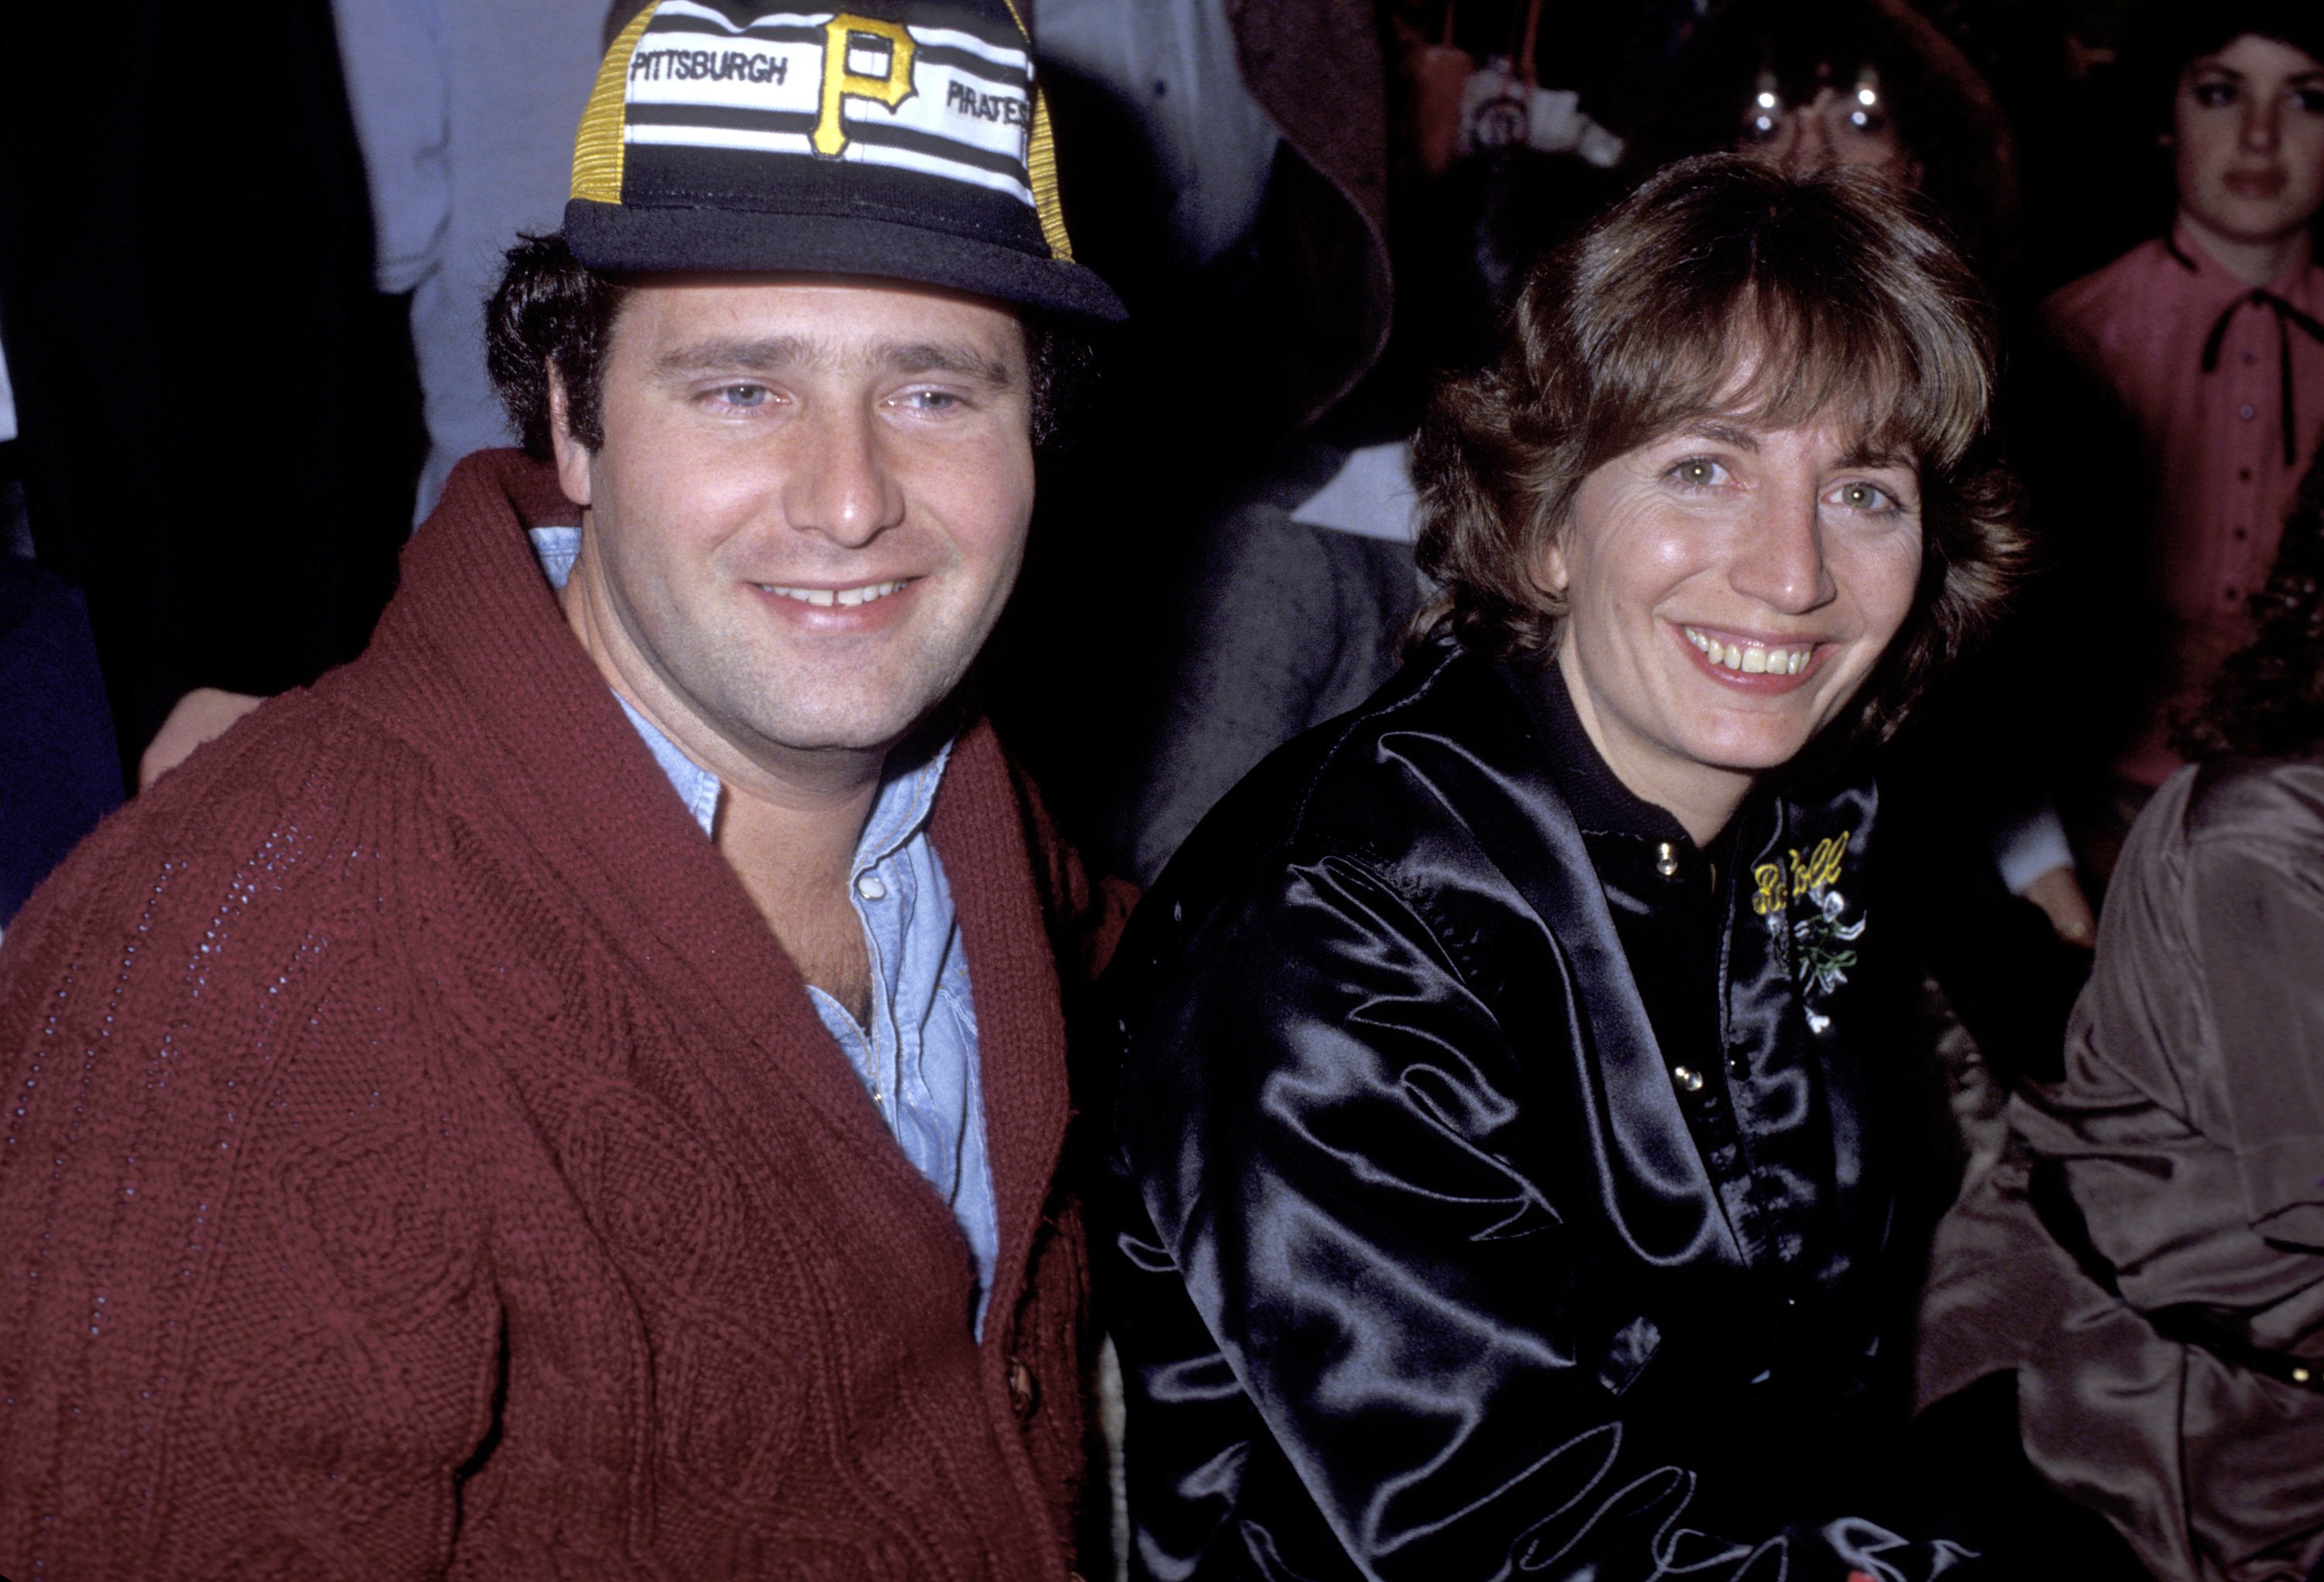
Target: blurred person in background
<point>2148,1259</point>
<point>463,110</point>
<point>2186,397</point>
<point>1810,85</point>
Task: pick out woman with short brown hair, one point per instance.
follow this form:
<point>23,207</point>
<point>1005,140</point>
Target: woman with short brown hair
<point>1850,307</point>
<point>1502,1168</point>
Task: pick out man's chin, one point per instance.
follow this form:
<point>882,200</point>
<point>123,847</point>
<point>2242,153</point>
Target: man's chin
<point>875,725</point>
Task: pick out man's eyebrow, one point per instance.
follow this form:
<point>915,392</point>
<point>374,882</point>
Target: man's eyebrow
<point>945,357</point>
<point>717,356</point>
<point>776,354</point>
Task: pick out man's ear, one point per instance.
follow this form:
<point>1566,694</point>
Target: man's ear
<point>573,458</point>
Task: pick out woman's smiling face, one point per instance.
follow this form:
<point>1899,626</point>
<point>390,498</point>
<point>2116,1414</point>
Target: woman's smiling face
<point>1729,589</point>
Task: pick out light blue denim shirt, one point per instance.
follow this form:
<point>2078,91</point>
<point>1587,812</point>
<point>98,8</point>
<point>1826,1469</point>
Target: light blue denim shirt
<point>918,1058</point>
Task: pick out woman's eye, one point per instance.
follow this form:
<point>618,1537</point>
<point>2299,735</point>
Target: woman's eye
<point>2214,95</point>
<point>1864,496</point>
<point>1698,472</point>
<point>2311,100</point>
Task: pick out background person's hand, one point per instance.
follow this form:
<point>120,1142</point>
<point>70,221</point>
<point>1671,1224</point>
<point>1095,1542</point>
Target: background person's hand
<point>2060,896</point>
<point>201,714</point>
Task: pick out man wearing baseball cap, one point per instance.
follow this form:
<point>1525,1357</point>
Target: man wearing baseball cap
<point>580,1091</point>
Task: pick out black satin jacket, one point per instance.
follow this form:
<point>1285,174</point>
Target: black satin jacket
<point>1493,1188</point>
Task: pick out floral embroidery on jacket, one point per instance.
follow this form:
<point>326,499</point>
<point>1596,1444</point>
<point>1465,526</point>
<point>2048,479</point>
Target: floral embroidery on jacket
<point>1816,945</point>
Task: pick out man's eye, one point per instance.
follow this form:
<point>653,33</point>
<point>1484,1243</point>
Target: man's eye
<point>742,395</point>
<point>931,400</point>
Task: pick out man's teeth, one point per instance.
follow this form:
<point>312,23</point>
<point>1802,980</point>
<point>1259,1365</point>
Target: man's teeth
<point>1751,659</point>
<point>844,597</point>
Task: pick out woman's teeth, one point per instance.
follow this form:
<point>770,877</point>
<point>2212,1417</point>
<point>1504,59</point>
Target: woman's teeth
<point>825,597</point>
<point>1751,659</point>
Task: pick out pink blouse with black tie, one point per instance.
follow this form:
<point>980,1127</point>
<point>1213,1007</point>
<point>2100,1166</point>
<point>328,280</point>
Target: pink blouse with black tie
<point>2226,385</point>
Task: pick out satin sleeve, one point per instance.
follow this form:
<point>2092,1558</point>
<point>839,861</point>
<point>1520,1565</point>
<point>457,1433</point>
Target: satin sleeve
<point>1341,1242</point>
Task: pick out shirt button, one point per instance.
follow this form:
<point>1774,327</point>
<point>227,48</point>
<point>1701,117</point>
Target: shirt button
<point>2244,473</point>
<point>2241,534</point>
<point>2243,410</point>
<point>1688,1078</point>
<point>870,888</point>
<point>1667,860</point>
<point>2228,594</point>
<point>2250,358</point>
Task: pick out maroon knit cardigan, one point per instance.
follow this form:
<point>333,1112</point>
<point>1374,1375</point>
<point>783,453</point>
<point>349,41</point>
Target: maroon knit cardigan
<point>418,1159</point>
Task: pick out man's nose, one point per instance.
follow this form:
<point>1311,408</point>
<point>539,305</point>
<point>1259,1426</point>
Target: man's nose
<point>841,484</point>
<point>1779,562</point>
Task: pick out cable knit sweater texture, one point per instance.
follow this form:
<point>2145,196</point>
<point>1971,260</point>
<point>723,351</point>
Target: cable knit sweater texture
<point>418,1159</point>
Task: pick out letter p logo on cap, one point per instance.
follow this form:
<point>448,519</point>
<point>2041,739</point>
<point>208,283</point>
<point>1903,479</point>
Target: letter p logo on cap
<point>840,83</point>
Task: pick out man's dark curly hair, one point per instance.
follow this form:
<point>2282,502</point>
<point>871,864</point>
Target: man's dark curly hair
<point>551,310</point>
<point>2268,701</point>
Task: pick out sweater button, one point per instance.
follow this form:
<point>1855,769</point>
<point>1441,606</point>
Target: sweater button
<point>1667,860</point>
<point>1022,1391</point>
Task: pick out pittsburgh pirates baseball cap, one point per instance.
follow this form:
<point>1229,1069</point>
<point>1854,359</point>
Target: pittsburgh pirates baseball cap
<point>903,140</point>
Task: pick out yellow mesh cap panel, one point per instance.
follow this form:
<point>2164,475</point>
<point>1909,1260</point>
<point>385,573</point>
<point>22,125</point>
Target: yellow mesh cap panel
<point>1041,169</point>
<point>598,151</point>
<point>1041,159</point>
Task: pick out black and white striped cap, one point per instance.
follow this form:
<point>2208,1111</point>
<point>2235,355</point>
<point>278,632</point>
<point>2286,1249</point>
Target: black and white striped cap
<point>903,141</point>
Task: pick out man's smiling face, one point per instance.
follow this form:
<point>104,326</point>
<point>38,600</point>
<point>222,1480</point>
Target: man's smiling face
<point>808,510</point>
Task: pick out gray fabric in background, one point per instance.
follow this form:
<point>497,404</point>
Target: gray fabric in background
<point>1285,626</point>
<point>2185,1149</point>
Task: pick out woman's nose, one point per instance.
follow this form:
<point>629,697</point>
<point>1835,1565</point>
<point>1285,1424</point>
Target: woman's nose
<point>1780,560</point>
<point>2262,127</point>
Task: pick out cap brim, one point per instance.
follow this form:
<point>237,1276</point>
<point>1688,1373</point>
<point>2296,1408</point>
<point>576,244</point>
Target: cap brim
<point>628,238</point>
